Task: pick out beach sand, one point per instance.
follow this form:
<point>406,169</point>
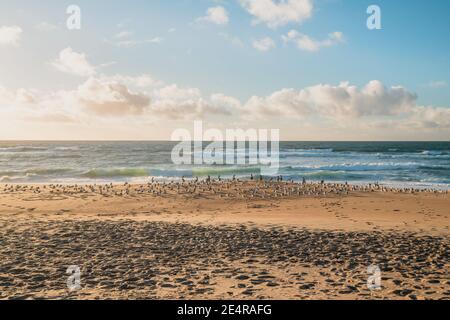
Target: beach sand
<point>227,240</point>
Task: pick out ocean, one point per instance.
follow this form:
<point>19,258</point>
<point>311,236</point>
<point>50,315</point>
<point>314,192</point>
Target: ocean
<point>416,164</point>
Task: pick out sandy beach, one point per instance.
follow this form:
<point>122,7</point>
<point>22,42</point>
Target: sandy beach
<point>223,240</point>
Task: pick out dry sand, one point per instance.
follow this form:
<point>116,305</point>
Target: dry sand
<point>232,240</point>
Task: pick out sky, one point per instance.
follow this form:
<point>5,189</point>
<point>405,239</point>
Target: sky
<point>139,69</point>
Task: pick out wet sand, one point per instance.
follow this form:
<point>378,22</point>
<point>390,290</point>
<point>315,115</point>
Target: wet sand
<point>228,240</point>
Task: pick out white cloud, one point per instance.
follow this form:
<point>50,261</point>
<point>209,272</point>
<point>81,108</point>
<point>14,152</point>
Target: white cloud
<point>264,44</point>
<point>113,96</point>
<point>73,63</point>
<point>102,97</point>
<point>46,26</point>
<point>228,105</point>
<point>34,105</point>
<point>110,98</point>
<point>10,35</point>
<point>429,117</point>
<point>342,101</point>
<point>217,15</point>
<point>26,96</point>
<point>304,42</point>
<point>17,97</point>
<point>278,13</point>
<point>174,102</point>
<point>141,81</point>
<point>125,41</point>
<point>329,107</point>
<point>6,96</point>
<point>438,84</point>
<point>50,117</point>
<point>235,41</point>
<point>123,34</point>
<point>174,93</point>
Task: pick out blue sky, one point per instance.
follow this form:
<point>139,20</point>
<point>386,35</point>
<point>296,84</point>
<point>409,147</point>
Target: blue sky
<point>412,49</point>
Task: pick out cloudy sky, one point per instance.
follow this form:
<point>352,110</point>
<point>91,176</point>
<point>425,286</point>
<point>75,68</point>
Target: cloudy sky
<point>139,69</point>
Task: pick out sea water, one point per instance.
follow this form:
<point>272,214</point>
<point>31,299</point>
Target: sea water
<point>418,164</point>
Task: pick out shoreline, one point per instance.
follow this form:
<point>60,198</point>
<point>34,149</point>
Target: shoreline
<point>168,180</point>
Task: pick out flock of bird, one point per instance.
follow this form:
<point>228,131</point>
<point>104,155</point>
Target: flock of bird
<point>259,188</point>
